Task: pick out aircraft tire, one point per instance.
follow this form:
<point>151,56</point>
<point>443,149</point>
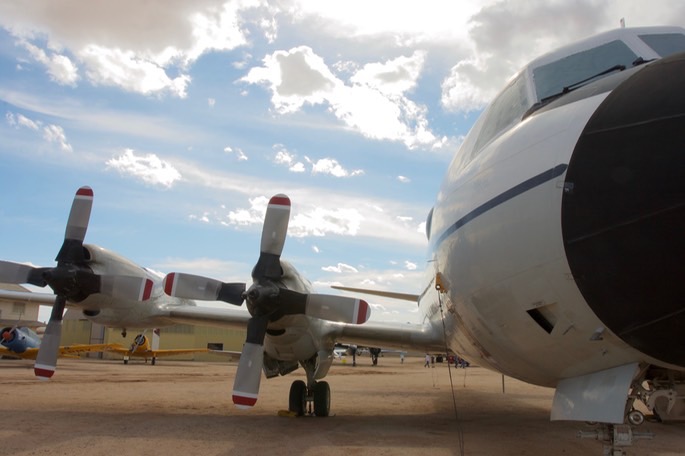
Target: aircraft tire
<point>298,397</point>
<point>322,399</point>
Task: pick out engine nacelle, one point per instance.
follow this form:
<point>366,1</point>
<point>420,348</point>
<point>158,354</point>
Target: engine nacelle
<point>18,340</point>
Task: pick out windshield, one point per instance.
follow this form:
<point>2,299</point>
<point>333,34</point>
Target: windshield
<point>665,44</point>
<point>551,79</point>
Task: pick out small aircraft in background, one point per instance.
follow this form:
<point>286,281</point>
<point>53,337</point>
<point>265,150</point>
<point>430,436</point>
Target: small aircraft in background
<point>24,343</point>
<point>143,347</point>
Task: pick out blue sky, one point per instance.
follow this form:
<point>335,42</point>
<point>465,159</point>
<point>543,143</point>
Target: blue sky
<point>185,117</point>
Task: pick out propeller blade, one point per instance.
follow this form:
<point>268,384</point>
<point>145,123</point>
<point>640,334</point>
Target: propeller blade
<point>16,273</point>
<point>77,225</point>
<point>249,373</point>
<point>338,308</point>
<point>325,307</point>
<point>248,376</point>
<point>46,359</point>
<point>191,286</point>
<point>274,232</point>
<point>79,214</point>
<point>275,225</point>
<point>126,287</point>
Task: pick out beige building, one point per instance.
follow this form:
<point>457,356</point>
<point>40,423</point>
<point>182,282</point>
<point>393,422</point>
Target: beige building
<point>76,330</point>
<point>17,312</point>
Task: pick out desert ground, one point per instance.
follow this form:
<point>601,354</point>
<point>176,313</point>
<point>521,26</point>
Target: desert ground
<point>103,407</point>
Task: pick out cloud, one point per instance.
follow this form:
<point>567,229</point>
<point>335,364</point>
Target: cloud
<point>310,222</point>
<point>328,166</point>
<point>238,152</point>
<point>126,69</point>
<point>136,46</point>
<point>339,268</point>
<point>403,179</point>
<point>51,133</point>
<point>285,157</point>
<point>54,133</point>
<point>148,168</point>
<point>504,36</point>
<point>332,167</point>
<point>60,68</point>
<point>321,222</point>
<point>254,215</point>
<point>373,102</point>
<point>17,120</point>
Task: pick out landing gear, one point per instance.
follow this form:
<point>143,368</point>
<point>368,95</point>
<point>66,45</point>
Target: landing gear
<point>302,398</point>
<point>615,437</point>
<point>298,398</point>
<point>635,417</point>
<point>322,399</point>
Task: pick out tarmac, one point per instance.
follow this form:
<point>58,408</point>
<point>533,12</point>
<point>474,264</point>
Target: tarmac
<point>103,407</point>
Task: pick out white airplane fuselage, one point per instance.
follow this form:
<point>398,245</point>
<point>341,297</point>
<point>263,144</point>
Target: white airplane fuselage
<point>505,241</point>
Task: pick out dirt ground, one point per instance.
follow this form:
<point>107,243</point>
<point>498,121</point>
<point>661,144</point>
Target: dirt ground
<point>98,407</point>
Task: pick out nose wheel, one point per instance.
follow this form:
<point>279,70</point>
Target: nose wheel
<point>315,401</point>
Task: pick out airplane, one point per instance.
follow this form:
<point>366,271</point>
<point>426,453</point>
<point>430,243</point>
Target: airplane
<point>113,291</point>
<point>554,249</point>
<point>23,343</point>
<point>143,347</point>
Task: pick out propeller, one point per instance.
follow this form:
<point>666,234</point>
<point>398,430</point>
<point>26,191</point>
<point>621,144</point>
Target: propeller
<point>266,299</point>
<point>71,280</point>
<point>138,341</point>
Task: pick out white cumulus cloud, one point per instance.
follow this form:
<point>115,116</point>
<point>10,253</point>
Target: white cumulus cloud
<point>340,268</point>
<point>373,101</point>
<point>148,168</point>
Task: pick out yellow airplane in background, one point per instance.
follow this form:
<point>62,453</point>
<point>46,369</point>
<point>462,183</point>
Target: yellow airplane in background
<point>23,343</point>
<point>142,347</point>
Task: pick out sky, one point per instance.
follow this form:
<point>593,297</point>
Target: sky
<point>186,117</point>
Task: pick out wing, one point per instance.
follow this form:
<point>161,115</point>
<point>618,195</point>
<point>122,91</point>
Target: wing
<point>171,352</point>
<point>29,353</point>
<point>118,348</point>
<point>64,351</point>
<point>27,296</point>
<point>200,315</point>
<point>398,336</point>
<point>76,349</point>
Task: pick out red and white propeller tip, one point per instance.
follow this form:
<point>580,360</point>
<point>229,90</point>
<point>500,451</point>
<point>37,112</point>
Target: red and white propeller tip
<point>248,375</point>
<point>275,226</point>
<point>79,216</point>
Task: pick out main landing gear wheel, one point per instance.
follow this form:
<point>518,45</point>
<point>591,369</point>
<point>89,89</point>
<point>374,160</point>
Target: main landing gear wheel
<point>322,399</point>
<point>636,417</point>
<point>298,398</point>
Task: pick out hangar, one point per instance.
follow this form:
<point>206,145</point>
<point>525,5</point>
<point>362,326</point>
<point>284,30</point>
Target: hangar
<point>77,330</point>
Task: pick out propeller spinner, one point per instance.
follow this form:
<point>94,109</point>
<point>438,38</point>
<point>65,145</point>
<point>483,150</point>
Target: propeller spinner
<point>266,300</point>
<point>71,280</point>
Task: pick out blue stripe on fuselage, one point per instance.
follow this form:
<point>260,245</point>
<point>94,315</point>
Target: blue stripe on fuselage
<point>513,192</point>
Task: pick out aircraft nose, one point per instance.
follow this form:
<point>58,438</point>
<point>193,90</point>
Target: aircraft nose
<point>623,210</point>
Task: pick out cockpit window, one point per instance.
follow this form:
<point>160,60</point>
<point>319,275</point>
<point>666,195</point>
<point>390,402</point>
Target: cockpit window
<point>665,44</point>
<point>429,222</point>
<point>551,79</point>
<point>504,111</point>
